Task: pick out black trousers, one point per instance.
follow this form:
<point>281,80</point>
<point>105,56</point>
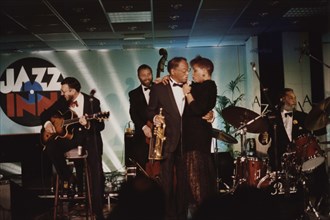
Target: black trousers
<point>56,148</point>
<point>172,177</point>
<point>94,160</point>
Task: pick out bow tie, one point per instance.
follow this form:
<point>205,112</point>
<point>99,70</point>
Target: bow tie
<point>177,84</point>
<point>288,114</point>
<point>74,104</point>
<point>146,88</point>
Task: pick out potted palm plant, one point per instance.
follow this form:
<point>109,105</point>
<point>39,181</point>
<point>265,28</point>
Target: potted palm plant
<point>224,151</point>
<point>231,97</point>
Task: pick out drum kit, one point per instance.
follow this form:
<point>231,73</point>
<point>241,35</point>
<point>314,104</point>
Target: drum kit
<point>251,170</point>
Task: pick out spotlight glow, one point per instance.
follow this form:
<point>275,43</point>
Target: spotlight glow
<point>89,79</point>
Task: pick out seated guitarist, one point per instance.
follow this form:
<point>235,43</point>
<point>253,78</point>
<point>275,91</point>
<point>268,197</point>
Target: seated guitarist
<point>59,139</point>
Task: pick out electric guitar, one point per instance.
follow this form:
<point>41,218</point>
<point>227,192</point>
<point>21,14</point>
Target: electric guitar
<point>62,123</point>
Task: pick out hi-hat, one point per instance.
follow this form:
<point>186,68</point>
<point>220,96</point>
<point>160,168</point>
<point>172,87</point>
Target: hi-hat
<point>318,117</point>
<point>222,136</point>
<point>238,116</point>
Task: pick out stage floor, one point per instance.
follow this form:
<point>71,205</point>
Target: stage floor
<point>38,204</point>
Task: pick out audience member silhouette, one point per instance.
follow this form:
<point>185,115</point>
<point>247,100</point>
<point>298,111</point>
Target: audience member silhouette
<point>245,203</point>
<point>139,198</point>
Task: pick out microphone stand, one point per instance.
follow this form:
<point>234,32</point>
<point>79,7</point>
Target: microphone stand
<point>272,118</point>
<point>318,60</point>
<point>140,167</point>
<point>99,172</point>
<point>215,151</point>
<point>216,159</point>
<point>91,100</point>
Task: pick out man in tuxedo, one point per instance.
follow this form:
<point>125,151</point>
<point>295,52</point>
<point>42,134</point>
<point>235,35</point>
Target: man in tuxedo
<point>139,99</point>
<point>171,99</point>
<point>86,133</point>
<point>290,127</point>
<point>293,138</point>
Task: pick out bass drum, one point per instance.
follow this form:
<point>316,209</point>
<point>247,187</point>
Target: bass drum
<point>277,183</point>
<point>286,194</point>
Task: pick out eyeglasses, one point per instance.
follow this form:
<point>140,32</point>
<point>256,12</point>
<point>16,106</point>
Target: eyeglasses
<point>184,70</point>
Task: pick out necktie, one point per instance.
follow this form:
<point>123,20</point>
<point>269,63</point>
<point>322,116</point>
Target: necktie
<point>288,114</point>
<point>74,104</point>
<point>146,88</point>
<point>177,84</point>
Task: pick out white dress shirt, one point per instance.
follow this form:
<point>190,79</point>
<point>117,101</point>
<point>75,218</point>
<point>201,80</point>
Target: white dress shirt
<point>178,95</point>
<point>79,110</point>
<point>287,121</point>
<point>146,93</point>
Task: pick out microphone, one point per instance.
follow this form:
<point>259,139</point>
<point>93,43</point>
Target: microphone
<point>91,94</point>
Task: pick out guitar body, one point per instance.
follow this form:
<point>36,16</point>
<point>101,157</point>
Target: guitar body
<point>61,130</point>
<point>63,124</point>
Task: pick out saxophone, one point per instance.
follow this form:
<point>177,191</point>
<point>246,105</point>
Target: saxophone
<point>157,141</point>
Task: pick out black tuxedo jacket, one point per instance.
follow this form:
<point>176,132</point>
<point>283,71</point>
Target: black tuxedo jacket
<point>61,106</point>
<point>138,110</point>
<point>161,96</point>
<point>282,142</point>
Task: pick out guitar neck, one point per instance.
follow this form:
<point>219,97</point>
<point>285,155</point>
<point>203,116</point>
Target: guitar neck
<point>75,120</point>
<point>98,116</point>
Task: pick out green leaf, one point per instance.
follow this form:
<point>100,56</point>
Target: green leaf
<point>232,99</point>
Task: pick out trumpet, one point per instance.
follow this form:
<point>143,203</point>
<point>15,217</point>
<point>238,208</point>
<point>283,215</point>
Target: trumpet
<point>157,141</point>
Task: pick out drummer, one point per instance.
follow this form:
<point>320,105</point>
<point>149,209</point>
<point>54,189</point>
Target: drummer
<point>290,126</point>
<point>290,129</point>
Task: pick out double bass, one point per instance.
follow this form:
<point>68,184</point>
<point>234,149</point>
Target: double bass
<point>161,62</point>
<point>153,166</point>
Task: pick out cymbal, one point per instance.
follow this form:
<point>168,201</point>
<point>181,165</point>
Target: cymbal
<point>318,117</point>
<point>222,136</point>
<point>238,116</point>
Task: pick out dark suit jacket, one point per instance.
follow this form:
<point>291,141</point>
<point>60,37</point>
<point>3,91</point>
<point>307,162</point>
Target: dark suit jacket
<point>61,106</point>
<point>139,148</point>
<point>138,110</point>
<point>161,96</point>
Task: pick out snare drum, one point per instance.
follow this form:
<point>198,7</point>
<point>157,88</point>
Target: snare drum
<point>308,152</point>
